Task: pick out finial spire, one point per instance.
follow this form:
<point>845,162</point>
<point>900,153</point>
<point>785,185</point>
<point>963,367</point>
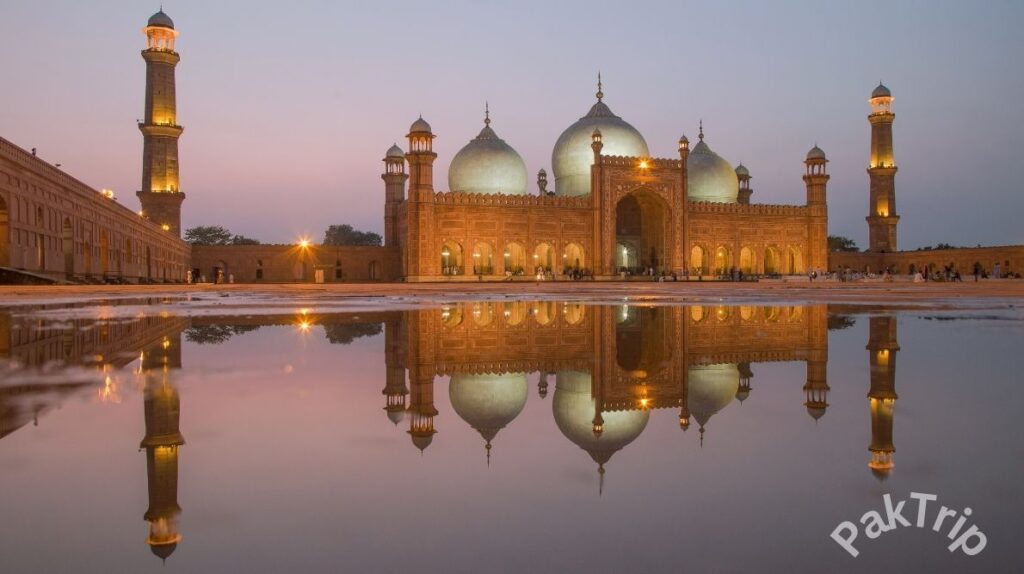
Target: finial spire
<point>600,93</point>
<point>488,447</point>
<point>600,479</point>
<point>487,114</point>
<point>700,134</point>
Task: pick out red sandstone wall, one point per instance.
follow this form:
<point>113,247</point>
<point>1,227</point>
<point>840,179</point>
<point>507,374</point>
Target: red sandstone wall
<point>293,264</point>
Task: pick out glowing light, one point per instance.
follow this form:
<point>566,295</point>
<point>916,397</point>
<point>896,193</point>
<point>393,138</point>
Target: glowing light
<point>643,164</point>
<point>165,227</point>
<point>304,243</point>
<point>142,213</point>
<point>109,393</point>
<point>107,193</point>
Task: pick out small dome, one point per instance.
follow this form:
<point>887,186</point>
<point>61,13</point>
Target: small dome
<point>816,153</point>
<point>160,20</point>
<point>420,126</point>
<point>422,441</point>
<point>881,91</point>
<point>743,394</point>
<point>816,412</point>
<point>163,551</point>
<point>488,165</point>
<point>396,416</point>
<point>488,402</point>
<point>572,156</point>
<point>574,409</point>
<point>709,177</point>
<point>741,170</point>
<point>395,152</point>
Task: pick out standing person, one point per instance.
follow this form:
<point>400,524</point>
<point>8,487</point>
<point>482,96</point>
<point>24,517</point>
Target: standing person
<point>977,271</point>
<point>188,276</point>
<point>996,270</point>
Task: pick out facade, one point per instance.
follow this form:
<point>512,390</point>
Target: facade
<point>54,227</point>
<point>614,210</point>
<point>303,263</point>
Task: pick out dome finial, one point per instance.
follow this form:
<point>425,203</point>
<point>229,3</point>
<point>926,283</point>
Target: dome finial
<point>600,479</point>
<point>700,134</point>
<point>487,113</point>
<point>600,93</point>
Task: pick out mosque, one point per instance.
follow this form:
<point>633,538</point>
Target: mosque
<point>613,209</point>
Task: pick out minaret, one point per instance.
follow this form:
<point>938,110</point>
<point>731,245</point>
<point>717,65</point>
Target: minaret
<point>162,408</point>
<point>422,260</point>
<point>816,178</point>
<point>882,218</point>
<point>160,195</point>
<point>394,177</point>
<point>816,386</point>
<point>395,393</point>
<point>882,348</point>
<point>743,175</point>
<point>542,183</point>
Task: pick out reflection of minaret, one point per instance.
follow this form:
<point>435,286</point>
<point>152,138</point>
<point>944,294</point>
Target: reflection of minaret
<point>421,425</point>
<point>395,389</point>
<point>161,444</point>
<point>745,375</point>
<point>816,388</point>
<point>882,347</point>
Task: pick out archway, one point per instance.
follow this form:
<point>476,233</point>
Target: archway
<point>771,261</point>
<point>699,260</point>
<point>723,260</point>
<point>68,246</point>
<point>483,314</point>
<point>483,259</point>
<point>374,271</point>
<point>626,256</point>
<point>543,258</point>
<point>451,258</point>
<point>40,240</point>
<point>544,312</point>
<point>104,253</point>
<point>87,253</point>
<point>795,261</point>
<point>5,235</point>
<point>642,221</point>
<point>747,260</point>
<point>149,263</point>
<point>514,259</point>
<point>516,312</point>
<point>572,257</point>
<point>220,272</point>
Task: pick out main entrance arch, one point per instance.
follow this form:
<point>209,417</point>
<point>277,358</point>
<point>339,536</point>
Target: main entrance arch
<point>642,226</point>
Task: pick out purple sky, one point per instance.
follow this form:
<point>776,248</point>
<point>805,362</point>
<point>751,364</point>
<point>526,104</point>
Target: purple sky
<point>288,108</point>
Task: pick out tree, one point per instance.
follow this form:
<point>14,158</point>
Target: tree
<point>208,235</point>
<point>345,333</point>
<point>216,235</point>
<point>840,243</point>
<point>347,235</point>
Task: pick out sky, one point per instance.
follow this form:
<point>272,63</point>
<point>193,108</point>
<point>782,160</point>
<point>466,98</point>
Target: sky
<point>288,108</point>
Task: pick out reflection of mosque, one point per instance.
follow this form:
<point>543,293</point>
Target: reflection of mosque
<point>611,366</point>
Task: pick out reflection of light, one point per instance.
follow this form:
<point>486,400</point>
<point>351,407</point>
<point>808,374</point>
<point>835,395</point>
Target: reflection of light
<point>109,393</point>
<point>166,343</point>
<point>645,402</point>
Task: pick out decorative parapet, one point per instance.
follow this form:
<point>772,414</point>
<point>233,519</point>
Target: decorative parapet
<point>649,162</point>
<point>748,209</point>
<point>505,200</point>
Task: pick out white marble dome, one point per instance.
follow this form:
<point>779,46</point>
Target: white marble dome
<point>488,402</point>
<point>487,165</point>
<point>574,410</point>
<point>709,177</point>
<point>710,389</point>
<point>572,157</point>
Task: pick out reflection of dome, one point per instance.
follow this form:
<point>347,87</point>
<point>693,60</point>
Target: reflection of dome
<point>572,157</point>
<point>881,91</point>
<point>711,388</point>
<point>395,152</point>
<point>161,20</point>
<point>420,126</point>
<point>709,177</point>
<point>422,441</point>
<point>488,402</point>
<point>816,412</point>
<point>163,551</point>
<point>487,165</point>
<point>574,414</point>
<point>396,416</point>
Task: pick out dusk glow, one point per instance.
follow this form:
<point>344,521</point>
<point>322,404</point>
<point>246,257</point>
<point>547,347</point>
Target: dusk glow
<point>288,110</point>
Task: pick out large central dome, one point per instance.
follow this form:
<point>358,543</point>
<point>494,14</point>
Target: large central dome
<point>487,165</point>
<point>572,157</point>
